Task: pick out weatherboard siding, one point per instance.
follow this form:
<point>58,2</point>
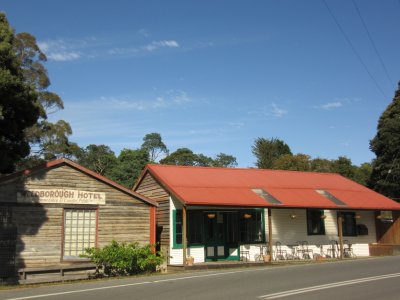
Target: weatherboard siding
<point>39,239</point>
<point>289,231</point>
<point>149,187</point>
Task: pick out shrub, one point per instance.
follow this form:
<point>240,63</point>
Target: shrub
<point>124,258</point>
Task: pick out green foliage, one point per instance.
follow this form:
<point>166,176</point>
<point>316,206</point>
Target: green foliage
<point>186,157</point>
<point>153,144</point>
<point>267,151</point>
<point>98,158</point>
<point>118,259</point>
<point>130,164</point>
<point>225,161</point>
<point>298,162</point>
<point>385,177</point>
<point>19,106</point>
<point>47,140</point>
<point>181,157</point>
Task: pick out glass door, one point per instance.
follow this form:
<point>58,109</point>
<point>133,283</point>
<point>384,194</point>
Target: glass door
<point>221,236</point>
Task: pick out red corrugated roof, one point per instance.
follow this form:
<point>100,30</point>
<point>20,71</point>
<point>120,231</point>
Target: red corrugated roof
<point>233,187</point>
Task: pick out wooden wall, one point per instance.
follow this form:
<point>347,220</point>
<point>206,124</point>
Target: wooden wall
<point>150,188</point>
<point>40,227</point>
<point>389,233</point>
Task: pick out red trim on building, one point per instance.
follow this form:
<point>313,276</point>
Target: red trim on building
<point>152,225</point>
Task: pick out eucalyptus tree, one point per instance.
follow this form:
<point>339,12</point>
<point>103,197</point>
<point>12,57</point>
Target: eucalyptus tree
<point>19,104</point>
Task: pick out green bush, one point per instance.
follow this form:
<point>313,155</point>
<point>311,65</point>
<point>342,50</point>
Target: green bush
<point>124,258</point>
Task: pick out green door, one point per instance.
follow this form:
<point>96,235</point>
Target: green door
<point>220,232</point>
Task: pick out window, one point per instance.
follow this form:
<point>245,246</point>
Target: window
<point>251,226</point>
<point>349,224</point>
<point>79,231</point>
<point>315,222</point>
<point>194,227</point>
<point>177,214</point>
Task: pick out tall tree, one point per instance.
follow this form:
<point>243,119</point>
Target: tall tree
<point>98,158</point>
<point>130,164</point>
<point>153,144</point>
<point>268,150</point>
<point>385,177</point>
<point>19,106</point>
<point>298,162</point>
<point>181,157</point>
<point>225,161</point>
<point>344,167</point>
<point>48,140</point>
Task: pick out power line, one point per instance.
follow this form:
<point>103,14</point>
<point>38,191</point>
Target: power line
<point>373,44</point>
<point>354,50</point>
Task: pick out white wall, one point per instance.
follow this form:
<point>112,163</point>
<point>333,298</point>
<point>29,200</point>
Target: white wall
<point>289,231</point>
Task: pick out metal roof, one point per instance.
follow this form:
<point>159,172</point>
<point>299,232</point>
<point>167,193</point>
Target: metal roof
<point>235,187</point>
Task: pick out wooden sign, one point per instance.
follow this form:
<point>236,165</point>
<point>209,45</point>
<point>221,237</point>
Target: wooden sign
<point>61,196</point>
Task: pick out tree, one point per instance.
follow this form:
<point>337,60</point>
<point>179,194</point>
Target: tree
<point>298,162</point>
<point>130,164</point>
<point>343,166</point>
<point>98,158</point>
<point>268,150</point>
<point>153,144</point>
<point>186,157</point>
<point>48,140</point>
<point>19,106</point>
<point>225,161</point>
<point>385,177</point>
<point>181,157</point>
<point>321,165</point>
<point>362,173</point>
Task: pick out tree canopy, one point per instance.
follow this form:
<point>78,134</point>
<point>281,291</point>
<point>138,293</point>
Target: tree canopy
<point>267,151</point>
<point>276,154</point>
<point>385,177</point>
<point>153,144</point>
<point>47,140</point>
<point>186,157</point>
<point>19,105</point>
<point>129,166</point>
<point>98,158</point>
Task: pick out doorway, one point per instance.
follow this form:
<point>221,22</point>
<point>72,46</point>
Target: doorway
<point>221,236</point>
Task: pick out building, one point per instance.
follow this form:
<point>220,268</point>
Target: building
<point>50,214</point>
<point>233,214</point>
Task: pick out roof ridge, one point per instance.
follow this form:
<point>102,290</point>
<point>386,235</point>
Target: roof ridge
<point>244,169</point>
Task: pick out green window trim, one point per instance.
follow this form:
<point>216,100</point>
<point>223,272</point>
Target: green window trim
<point>175,245</point>
<point>177,242</point>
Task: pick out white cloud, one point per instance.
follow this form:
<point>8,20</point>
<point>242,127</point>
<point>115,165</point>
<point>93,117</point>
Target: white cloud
<point>169,99</point>
<point>60,50</point>
<point>331,105</point>
<point>63,56</point>
<point>161,44</point>
<point>143,32</point>
<point>278,112</point>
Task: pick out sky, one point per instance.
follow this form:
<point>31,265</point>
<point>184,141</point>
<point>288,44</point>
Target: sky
<point>213,76</point>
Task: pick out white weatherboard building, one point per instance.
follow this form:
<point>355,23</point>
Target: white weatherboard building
<point>214,214</point>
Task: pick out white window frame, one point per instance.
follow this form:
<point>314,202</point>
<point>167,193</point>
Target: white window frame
<point>79,232</point>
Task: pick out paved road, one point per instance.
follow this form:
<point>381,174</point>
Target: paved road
<point>375,278</point>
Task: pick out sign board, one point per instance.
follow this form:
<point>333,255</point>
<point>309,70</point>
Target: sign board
<point>61,196</point>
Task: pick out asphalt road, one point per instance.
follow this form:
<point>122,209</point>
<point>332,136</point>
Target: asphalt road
<point>374,278</point>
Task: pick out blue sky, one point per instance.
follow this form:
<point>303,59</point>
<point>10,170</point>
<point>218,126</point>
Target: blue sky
<point>215,75</point>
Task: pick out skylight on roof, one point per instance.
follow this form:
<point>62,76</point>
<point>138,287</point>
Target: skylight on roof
<point>266,196</point>
<point>330,197</point>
